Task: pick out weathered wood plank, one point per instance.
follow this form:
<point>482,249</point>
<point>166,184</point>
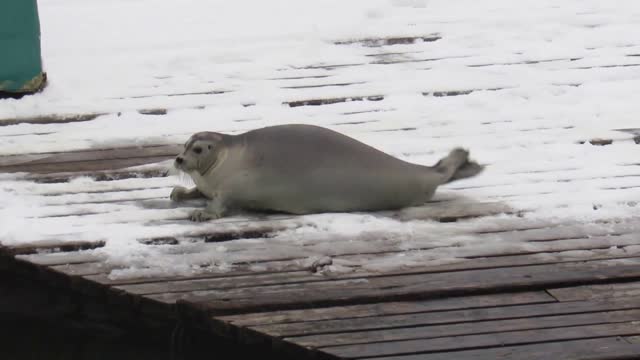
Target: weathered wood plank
<point>53,246</point>
<point>597,292</point>
<point>352,251</point>
<point>416,286</point>
<point>547,249</point>
<point>125,152</point>
<point>561,232</point>
<point>302,273</point>
<point>329,101</point>
<point>253,277</point>
<point>84,269</point>
<point>86,160</point>
<point>388,308</point>
<point>220,283</point>
<point>443,317</point>
<point>97,175</point>
<point>311,86</point>
<point>484,340</point>
<point>593,349</point>
<point>538,231</point>
<point>389,41</point>
<point>50,119</point>
<point>633,340</point>
<point>97,190</point>
<point>87,165</point>
<point>467,328</point>
<point>239,230</point>
<point>238,271</point>
<point>64,258</point>
<point>456,92</point>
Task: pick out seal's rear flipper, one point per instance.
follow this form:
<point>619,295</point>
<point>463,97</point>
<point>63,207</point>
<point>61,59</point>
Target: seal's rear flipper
<point>468,169</point>
<point>457,166</point>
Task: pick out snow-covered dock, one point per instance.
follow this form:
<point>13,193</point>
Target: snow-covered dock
<point>536,258</point>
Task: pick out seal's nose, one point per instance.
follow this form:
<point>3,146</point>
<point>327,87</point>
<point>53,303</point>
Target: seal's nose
<point>179,160</point>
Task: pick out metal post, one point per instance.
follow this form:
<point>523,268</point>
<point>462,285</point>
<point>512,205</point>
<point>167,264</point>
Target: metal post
<point>20,60</point>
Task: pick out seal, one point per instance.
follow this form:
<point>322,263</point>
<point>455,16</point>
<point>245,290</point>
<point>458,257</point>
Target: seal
<point>303,169</point>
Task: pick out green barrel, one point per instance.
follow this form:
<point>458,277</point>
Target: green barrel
<point>20,60</point>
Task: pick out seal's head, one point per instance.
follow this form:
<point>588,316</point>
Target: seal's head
<point>201,152</point>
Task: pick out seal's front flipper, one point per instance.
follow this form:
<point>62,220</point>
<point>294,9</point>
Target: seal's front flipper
<point>215,209</point>
<point>201,216</point>
<point>180,193</point>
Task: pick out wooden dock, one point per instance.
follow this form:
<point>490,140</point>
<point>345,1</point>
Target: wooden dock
<point>546,301</point>
<point>566,289</point>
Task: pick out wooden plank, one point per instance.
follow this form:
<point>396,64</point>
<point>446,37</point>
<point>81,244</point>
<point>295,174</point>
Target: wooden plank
<point>296,265</point>
<point>292,265</point>
<point>219,283</point>
<point>305,274</point>
<point>466,328</point>
<point>634,132</point>
<point>352,253</point>
<point>328,101</point>
<point>88,159</point>
<point>94,186</point>
<point>443,317</point>
<point>239,271</point>
<point>124,152</point>
<point>254,277</point>
<point>500,231</point>
<point>97,175</point>
<point>457,92</point>
<point>50,119</point>
<point>389,308</point>
<point>405,287</point>
<point>84,268</point>
<point>484,340</point>
<point>53,246</point>
<point>98,190</point>
<point>175,94</point>
<point>515,224</point>
<point>312,86</point>
<point>596,292</point>
<point>88,165</point>
<point>633,340</point>
<point>593,349</point>
<point>76,257</point>
<point>389,41</point>
<point>569,232</point>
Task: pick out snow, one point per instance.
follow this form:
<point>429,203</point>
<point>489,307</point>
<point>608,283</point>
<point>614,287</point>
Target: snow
<point>541,73</point>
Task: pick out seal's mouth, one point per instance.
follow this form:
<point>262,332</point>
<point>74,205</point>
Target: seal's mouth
<point>180,163</point>
<point>182,173</point>
<point>185,178</point>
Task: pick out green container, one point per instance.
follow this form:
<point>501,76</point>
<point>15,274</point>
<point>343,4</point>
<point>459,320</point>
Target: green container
<point>20,60</point>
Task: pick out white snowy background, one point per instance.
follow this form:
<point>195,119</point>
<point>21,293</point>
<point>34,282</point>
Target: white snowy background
<point>547,76</point>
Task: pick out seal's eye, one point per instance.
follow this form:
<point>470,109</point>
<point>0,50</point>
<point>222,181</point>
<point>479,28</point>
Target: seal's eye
<point>197,150</point>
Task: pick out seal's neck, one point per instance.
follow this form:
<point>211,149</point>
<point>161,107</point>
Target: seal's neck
<point>218,159</point>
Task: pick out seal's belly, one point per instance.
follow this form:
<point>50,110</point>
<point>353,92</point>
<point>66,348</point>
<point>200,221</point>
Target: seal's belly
<point>334,191</point>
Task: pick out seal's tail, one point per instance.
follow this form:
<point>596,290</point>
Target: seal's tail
<point>468,169</point>
<point>457,166</point>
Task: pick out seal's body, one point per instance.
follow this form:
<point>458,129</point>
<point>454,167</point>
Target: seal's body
<point>303,169</point>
